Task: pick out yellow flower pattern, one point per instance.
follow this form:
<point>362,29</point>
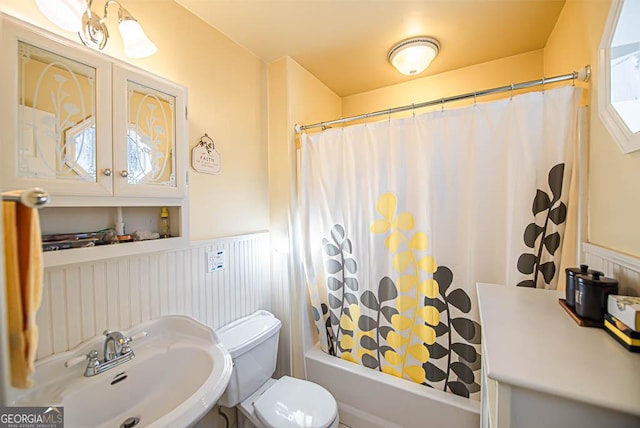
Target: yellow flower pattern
<point>406,327</point>
<point>413,323</point>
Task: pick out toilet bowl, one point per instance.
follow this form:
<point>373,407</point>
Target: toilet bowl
<point>264,402</point>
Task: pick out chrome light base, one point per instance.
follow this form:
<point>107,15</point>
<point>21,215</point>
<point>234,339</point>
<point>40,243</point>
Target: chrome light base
<point>94,32</point>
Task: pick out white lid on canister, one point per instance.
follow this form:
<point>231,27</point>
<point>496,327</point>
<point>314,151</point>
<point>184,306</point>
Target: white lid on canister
<point>295,403</point>
<point>243,334</point>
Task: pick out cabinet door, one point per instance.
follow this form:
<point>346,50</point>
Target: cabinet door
<point>150,134</point>
<point>55,119</point>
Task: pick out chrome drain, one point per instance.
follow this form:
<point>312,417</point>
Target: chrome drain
<point>130,422</point>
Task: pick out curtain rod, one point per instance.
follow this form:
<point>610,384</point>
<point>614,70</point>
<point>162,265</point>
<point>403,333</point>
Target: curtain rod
<point>34,198</point>
<point>583,75</point>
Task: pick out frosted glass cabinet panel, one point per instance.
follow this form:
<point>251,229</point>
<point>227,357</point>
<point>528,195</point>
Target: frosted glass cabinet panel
<point>79,123</point>
<point>105,139</point>
<point>55,115</point>
<point>149,121</point>
<point>57,95</point>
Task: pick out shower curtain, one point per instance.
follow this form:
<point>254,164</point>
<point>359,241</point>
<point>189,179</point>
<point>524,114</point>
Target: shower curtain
<point>400,218</point>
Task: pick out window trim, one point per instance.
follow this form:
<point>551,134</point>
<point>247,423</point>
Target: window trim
<point>622,135</point>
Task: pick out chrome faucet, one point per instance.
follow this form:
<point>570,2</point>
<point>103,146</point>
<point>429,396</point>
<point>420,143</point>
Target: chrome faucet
<point>116,344</point>
<point>116,351</point>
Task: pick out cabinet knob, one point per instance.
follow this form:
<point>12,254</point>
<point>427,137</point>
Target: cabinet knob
<point>124,173</point>
<point>107,172</point>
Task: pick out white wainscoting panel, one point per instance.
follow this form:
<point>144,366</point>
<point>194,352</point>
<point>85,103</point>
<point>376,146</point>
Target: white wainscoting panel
<point>82,300</point>
<point>624,268</point>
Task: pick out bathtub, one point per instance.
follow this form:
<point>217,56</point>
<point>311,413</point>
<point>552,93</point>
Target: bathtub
<point>371,399</point>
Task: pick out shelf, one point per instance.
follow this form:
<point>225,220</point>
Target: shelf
<point>67,220</point>
<point>81,255</point>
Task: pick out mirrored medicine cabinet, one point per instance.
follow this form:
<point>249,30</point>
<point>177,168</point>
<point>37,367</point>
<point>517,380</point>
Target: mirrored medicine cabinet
<point>90,130</point>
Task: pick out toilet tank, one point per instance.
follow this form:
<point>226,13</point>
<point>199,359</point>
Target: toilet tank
<point>252,342</point>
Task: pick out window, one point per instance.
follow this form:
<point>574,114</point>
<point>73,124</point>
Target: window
<point>619,66</point>
<point>139,156</point>
<point>80,144</point>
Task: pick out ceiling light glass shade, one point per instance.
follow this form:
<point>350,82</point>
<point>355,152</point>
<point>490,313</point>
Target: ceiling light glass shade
<point>136,42</point>
<point>413,56</point>
<point>66,14</point>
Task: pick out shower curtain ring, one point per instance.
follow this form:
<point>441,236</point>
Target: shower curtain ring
<point>413,109</point>
<point>511,98</point>
<point>573,81</point>
<point>475,99</point>
<point>543,84</point>
<point>442,105</point>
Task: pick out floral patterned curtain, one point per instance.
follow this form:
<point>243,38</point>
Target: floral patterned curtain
<point>401,218</point>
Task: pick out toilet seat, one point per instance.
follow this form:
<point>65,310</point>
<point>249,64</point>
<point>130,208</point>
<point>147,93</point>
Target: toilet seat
<point>295,403</point>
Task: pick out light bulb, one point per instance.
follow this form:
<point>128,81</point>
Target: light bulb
<point>66,14</point>
<point>136,42</point>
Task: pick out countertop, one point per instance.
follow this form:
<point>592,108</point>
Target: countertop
<point>531,342</point>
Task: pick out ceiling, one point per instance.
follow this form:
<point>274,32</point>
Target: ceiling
<point>344,43</point>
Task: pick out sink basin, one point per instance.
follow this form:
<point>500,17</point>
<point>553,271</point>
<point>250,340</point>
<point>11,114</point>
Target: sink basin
<point>179,371</point>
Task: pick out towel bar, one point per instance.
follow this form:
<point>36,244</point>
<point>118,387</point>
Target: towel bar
<point>34,198</point>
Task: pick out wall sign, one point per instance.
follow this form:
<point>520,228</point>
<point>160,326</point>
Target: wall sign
<point>205,158</point>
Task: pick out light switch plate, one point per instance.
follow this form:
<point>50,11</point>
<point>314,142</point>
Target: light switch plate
<point>215,260</point>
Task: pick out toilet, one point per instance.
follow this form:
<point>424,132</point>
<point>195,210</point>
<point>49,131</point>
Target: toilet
<point>264,402</point>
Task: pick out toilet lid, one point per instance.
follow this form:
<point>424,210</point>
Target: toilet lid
<point>294,403</point>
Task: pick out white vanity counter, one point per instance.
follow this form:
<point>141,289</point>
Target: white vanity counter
<point>540,369</point>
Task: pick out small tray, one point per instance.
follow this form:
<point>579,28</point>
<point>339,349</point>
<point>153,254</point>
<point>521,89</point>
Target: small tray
<point>582,322</point>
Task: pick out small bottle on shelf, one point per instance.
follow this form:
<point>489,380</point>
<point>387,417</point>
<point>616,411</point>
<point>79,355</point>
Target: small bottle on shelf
<point>164,223</point>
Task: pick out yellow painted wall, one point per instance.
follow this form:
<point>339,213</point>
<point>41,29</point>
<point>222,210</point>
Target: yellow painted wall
<point>227,100</point>
<point>295,97</point>
<point>504,71</point>
<point>614,195</point>
<point>305,91</point>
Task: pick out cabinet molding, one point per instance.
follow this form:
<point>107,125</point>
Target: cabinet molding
<point>115,167</point>
<point>100,133</point>
<point>166,104</point>
<point>33,41</point>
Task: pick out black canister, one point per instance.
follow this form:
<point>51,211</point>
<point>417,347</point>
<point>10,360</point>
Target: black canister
<point>592,291</point>
<point>571,282</point>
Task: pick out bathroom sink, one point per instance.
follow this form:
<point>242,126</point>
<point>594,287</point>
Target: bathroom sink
<point>179,371</point>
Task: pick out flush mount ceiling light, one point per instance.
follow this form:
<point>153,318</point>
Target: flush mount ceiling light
<point>76,15</point>
<point>412,56</point>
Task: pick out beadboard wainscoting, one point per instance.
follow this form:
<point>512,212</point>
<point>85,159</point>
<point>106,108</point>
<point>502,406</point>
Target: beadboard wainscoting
<point>82,300</point>
<point>624,268</point>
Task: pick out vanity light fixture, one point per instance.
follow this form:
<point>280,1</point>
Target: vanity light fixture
<point>412,56</point>
<point>66,14</point>
<point>76,15</point>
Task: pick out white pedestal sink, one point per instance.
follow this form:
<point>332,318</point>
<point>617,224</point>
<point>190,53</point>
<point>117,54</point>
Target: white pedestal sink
<point>179,371</point>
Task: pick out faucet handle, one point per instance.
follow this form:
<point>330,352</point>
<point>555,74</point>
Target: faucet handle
<point>128,339</point>
<point>138,336</point>
<point>76,360</point>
